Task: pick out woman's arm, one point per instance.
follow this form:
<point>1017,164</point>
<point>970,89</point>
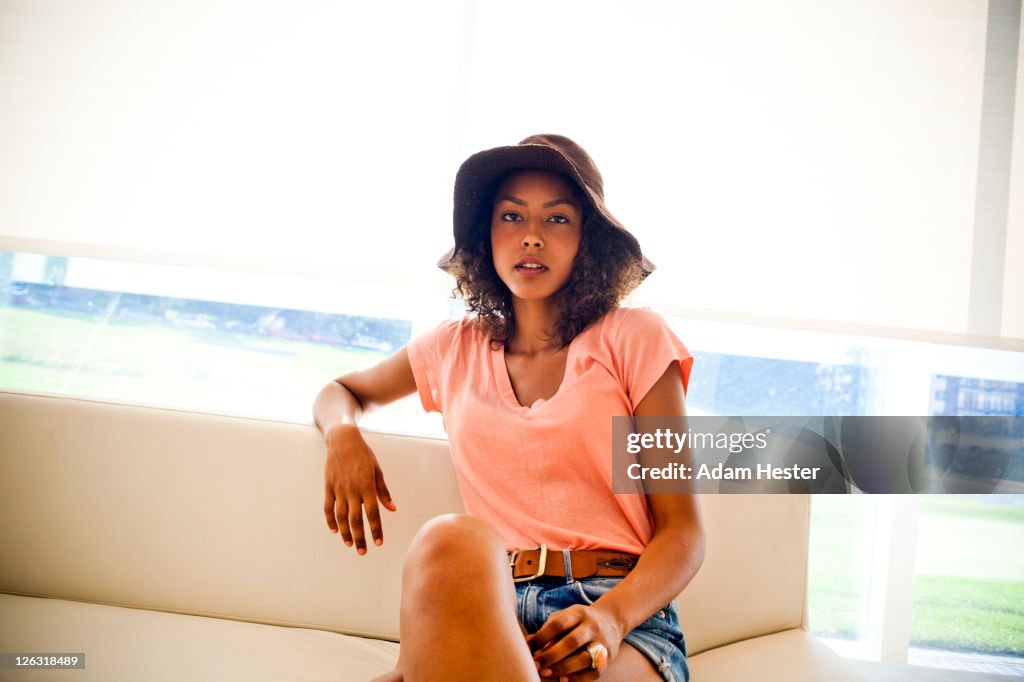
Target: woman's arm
<point>668,563</point>
<point>676,549</point>
<point>353,480</point>
<point>342,400</point>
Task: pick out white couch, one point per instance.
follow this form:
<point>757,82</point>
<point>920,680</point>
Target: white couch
<point>167,545</point>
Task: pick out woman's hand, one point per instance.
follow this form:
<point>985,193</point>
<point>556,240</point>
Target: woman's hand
<point>560,645</point>
<point>353,482</point>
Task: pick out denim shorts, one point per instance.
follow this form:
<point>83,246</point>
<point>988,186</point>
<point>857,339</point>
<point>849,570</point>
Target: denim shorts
<point>658,638</point>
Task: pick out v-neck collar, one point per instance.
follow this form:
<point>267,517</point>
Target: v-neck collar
<point>504,381</point>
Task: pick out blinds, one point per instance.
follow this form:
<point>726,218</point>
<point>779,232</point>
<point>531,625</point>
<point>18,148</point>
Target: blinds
<point>794,159</point>
<point>309,133</point>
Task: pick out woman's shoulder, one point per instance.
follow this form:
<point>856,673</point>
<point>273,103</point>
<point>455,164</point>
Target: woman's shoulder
<point>639,344</point>
<point>620,322</point>
<point>450,342</point>
<point>469,326</point>
<point>449,331</point>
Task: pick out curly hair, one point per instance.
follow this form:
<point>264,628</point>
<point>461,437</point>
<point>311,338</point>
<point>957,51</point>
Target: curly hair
<point>604,271</point>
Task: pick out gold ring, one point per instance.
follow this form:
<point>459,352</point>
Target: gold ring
<point>598,655</point>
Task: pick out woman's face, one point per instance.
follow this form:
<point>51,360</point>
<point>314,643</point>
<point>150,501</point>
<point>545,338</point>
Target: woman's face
<point>535,232</point>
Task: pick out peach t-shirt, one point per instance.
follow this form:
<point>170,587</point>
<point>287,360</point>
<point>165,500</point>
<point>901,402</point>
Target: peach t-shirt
<point>542,474</point>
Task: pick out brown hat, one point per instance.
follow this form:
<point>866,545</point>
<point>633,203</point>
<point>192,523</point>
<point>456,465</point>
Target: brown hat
<point>479,175</point>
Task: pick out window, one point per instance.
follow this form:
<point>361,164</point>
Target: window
<point>211,354</point>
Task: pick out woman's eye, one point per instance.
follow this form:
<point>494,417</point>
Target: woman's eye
<point>561,219</point>
<point>509,216</point>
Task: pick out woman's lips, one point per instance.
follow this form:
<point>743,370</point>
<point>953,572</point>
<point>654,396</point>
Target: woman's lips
<point>531,269</point>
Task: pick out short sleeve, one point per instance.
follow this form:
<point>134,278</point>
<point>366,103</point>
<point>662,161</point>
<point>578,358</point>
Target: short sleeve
<point>645,346</point>
<point>427,353</point>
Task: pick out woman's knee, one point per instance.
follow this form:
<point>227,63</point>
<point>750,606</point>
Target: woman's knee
<point>454,544</point>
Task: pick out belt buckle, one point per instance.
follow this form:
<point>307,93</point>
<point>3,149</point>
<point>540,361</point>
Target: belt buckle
<point>514,554</point>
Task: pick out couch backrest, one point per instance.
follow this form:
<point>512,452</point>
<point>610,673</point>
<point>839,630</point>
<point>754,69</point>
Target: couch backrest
<point>754,578</point>
<point>222,516</point>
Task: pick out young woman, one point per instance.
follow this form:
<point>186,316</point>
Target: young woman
<point>528,386</point>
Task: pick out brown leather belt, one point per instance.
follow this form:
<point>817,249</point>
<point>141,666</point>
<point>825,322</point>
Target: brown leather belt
<point>529,564</point>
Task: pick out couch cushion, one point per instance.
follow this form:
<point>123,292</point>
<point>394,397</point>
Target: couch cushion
<point>134,644</point>
<point>790,656</point>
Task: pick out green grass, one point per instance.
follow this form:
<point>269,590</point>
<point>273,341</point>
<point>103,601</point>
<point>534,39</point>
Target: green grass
<point>985,541</point>
<point>184,368</point>
<point>964,614</point>
<point>969,573</point>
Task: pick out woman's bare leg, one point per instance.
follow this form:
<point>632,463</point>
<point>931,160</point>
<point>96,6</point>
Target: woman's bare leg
<point>458,618</point>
